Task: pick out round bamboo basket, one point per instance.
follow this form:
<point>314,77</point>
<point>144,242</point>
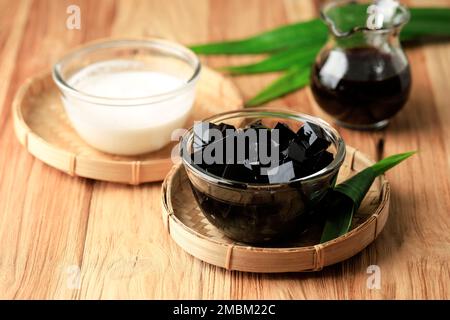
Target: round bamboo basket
<point>42,127</point>
<point>193,233</point>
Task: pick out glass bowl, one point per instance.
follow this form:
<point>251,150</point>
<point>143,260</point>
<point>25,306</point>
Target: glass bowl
<point>262,212</point>
<point>126,97</point>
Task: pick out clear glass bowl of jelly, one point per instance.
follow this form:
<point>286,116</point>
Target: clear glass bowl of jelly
<point>254,211</point>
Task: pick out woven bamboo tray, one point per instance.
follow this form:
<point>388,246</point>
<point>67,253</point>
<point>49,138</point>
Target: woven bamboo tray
<point>194,234</point>
<point>42,127</point>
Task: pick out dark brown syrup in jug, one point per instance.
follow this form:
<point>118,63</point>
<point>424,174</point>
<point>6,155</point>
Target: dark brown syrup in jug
<point>361,86</point>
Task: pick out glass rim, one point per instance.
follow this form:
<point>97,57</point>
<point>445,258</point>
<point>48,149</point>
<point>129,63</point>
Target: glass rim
<point>177,50</point>
<point>338,33</point>
<point>260,112</point>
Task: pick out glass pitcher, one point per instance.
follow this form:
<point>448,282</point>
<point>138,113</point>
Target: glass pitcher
<point>362,77</point>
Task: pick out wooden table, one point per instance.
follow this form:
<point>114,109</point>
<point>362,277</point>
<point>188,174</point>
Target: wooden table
<point>53,225</point>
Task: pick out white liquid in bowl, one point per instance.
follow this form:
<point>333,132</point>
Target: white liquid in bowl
<point>126,129</point>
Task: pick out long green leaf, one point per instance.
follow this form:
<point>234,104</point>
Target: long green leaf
<point>290,81</point>
<point>387,163</point>
<point>279,61</point>
<point>424,22</point>
<point>340,221</point>
<point>346,197</point>
<point>357,186</point>
<point>416,31</point>
<point>432,13</point>
<point>294,41</point>
<point>301,34</point>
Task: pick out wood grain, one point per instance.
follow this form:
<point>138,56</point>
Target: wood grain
<point>52,224</point>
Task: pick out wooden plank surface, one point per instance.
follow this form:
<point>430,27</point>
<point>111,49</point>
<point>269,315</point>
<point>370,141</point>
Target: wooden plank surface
<point>52,225</point>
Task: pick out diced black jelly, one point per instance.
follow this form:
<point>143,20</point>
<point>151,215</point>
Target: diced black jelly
<point>283,173</point>
<point>285,135</point>
<point>257,125</point>
<point>300,154</point>
<point>261,219</point>
<point>297,151</point>
<point>203,135</point>
<point>243,171</point>
<point>226,128</point>
<point>313,138</point>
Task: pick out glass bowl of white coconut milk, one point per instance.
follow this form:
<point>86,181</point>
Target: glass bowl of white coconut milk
<point>126,97</point>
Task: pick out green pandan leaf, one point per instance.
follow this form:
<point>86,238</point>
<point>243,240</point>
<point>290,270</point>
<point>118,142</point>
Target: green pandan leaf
<point>290,45</point>
<point>346,197</point>
<point>301,34</point>
<point>357,186</point>
<point>387,163</point>
<point>340,221</point>
<point>424,22</point>
<point>293,79</point>
<point>300,57</point>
